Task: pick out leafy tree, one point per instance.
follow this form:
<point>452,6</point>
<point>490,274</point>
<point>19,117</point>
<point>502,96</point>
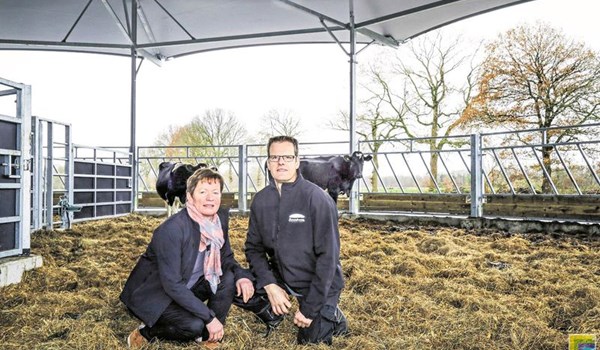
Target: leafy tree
<point>212,132</point>
<point>533,76</point>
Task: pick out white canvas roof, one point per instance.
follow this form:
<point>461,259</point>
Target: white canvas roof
<point>173,28</point>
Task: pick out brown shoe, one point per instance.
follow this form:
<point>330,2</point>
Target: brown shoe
<point>136,340</point>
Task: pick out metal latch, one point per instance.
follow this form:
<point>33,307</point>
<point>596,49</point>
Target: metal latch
<point>65,210</point>
<point>10,166</point>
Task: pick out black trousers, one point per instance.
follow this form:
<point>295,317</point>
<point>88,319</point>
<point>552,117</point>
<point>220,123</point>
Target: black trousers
<point>176,323</point>
<point>330,322</point>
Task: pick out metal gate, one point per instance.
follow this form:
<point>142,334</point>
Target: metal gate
<point>52,172</point>
<point>102,182</point>
<point>15,181</point>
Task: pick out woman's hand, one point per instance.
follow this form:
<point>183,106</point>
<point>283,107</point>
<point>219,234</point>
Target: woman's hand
<point>215,330</point>
<point>245,288</point>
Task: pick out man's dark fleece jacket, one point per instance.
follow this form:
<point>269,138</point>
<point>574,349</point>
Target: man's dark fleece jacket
<point>294,238</point>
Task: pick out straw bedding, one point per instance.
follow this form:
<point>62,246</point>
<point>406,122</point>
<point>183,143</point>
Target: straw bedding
<point>407,287</point>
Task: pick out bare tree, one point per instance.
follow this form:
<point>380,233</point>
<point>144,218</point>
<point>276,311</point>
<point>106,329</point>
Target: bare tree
<point>373,124</point>
<point>438,74</point>
<point>421,91</point>
<point>280,122</point>
<point>535,77</point>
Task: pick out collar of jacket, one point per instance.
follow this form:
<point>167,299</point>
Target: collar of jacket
<point>289,185</point>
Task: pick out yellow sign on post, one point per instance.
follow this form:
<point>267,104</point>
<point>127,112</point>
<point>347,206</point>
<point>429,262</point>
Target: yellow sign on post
<point>582,342</point>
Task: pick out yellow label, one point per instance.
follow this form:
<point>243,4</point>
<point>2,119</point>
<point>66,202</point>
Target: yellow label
<point>582,342</point>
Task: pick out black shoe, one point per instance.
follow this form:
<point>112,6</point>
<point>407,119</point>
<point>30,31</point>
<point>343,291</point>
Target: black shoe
<point>340,329</point>
<point>271,320</point>
<point>260,306</point>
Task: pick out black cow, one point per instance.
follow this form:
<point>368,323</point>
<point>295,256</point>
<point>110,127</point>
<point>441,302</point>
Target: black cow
<point>336,174</point>
<point>172,179</point>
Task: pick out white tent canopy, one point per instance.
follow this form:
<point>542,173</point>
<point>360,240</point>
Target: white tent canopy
<point>165,29</point>
<point>173,28</point>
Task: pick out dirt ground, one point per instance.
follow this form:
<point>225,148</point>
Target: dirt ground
<point>407,287</point>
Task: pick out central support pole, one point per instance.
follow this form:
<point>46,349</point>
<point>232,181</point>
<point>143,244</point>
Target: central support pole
<point>476,177</point>
<point>353,202</point>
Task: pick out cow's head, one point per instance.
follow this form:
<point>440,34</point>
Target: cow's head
<point>356,162</point>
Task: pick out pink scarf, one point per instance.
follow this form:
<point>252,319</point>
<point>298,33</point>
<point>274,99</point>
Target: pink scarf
<point>211,234</point>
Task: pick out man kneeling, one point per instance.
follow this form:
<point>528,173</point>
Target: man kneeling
<point>293,248</point>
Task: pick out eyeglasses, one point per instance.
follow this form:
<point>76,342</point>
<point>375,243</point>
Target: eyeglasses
<point>286,158</point>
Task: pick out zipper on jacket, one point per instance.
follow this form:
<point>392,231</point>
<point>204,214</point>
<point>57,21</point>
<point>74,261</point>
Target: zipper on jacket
<point>276,235</point>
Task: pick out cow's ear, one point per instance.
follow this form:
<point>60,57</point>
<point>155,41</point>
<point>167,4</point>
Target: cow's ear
<point>368,158</point>
<point>189,168</point>
<point>346,158</point>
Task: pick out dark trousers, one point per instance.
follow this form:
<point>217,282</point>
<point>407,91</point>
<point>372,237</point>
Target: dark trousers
<point>178,324</point>
<point>330,322</point>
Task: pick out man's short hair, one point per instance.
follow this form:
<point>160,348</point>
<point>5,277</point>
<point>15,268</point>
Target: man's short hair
<point>204,174</point>
<point>283,138</point>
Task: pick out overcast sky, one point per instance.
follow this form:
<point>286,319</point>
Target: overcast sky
<point>91,92</point>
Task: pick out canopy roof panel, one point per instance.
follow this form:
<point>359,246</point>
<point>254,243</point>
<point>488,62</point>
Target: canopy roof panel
<point>172,28</point>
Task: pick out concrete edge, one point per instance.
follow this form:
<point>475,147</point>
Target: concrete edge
<point>510,225</point>
<point>13,268</point>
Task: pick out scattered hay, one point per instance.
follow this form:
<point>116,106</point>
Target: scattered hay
<point>406,288</point>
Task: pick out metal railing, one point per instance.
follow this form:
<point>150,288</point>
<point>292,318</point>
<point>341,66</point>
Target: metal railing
<point>536,161</point>
<point>561,161</point>
<point>102,182</point>
<point>94,180</point>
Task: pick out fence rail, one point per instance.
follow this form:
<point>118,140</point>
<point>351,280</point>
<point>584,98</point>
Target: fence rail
<point>74,183</point>
<point>539,173</point>
<point>529,173</point>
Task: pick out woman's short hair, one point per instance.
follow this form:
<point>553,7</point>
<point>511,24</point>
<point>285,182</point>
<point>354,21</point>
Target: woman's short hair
<point>204,174</point>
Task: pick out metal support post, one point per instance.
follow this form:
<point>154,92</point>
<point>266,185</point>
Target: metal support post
<point>49,177</point>
<point>24,113</point>
<point>242,178</point>
<point>69,165</point>
<point>353,202</point>
<point>133,143</point>
<point>38,174</point>
<point>476,178</point>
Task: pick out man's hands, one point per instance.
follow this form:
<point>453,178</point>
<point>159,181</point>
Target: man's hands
<point>245,288</point>
<point>301,321</point>
<point>215,330</point>
<point>280,301</point>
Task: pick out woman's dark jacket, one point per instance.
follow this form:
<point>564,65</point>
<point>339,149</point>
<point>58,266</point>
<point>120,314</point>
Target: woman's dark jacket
<point>162,272</point>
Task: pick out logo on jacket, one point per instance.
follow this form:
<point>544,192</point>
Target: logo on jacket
<point>296,218</point>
